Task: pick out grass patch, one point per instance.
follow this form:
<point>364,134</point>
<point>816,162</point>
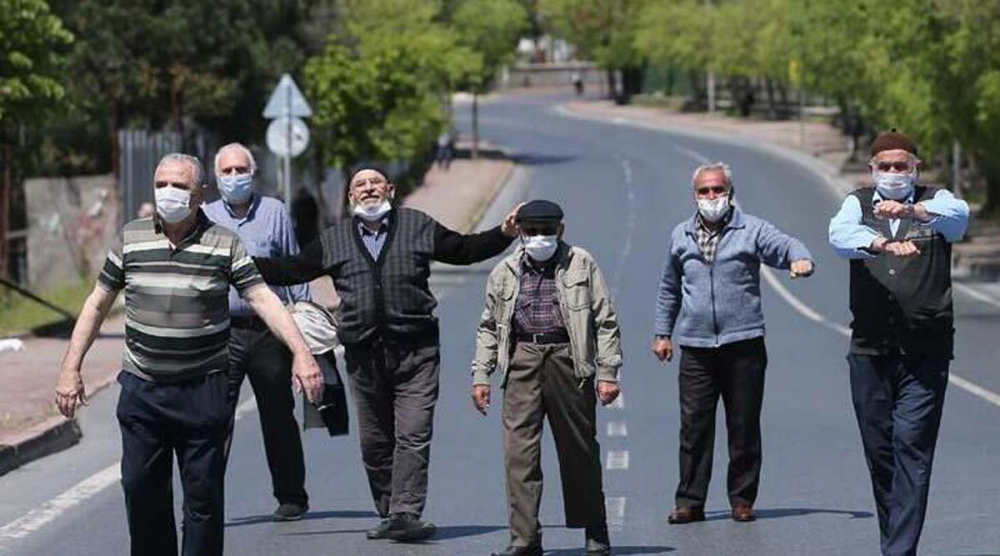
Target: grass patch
<point>20,314</point>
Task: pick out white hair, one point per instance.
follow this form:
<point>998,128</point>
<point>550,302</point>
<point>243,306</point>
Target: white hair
<point>240,147</point>
<point>196,169</point>
<point>713,167</point>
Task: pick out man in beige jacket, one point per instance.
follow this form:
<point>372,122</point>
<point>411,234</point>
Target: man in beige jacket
<point>550,329</point>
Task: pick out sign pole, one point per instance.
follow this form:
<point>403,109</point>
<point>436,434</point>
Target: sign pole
<point>288,152</point>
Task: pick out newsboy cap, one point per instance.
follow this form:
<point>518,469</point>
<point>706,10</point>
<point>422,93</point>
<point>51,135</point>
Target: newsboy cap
<point>540,210</point>
<point>892,140</point>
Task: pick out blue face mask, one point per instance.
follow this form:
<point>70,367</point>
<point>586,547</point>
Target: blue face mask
<point>236,189</point>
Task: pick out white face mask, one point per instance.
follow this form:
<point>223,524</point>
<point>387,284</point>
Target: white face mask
<point>894,186</point>
<point>540,248</point>
<point>713,210</point>
<point>236,189</point>
<point>172,204</point>
<point>372,213</point>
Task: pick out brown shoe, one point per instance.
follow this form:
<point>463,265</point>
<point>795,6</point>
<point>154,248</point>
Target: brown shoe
<point>743,513</point>
<point>683,514</point>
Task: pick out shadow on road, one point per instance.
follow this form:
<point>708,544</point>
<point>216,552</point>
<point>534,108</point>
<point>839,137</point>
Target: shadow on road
<point>460,531</point>
<point>615,549</point>
<point>792,512</point>
<point>525,159</point>
<point>343,514</point>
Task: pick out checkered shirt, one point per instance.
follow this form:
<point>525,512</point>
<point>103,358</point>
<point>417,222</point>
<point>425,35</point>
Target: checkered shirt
<point>537,310</point>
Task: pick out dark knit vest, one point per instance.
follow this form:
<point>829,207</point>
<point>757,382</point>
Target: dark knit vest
<point>898,302</point>
<point>388,296</point>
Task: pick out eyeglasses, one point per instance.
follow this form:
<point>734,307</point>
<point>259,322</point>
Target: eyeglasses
<point>717,189</point>
<point>897,165</point>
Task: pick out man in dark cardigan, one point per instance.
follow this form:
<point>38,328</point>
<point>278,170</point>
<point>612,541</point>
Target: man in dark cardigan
<point>379,260</point>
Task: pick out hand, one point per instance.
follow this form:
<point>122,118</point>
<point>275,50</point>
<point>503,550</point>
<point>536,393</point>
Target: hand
<point>607,391</point>
<point>509,226</point>
<point>663,349</point>
<point>481,397</point>
<point>893,210</point>
<point>70,392</point>
<point>801,268</point>
<point>307,376</point>
<point>878,244</point>
<point>902,248</point>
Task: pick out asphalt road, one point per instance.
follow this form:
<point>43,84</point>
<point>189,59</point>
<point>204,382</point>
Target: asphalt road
<point>623,188</point>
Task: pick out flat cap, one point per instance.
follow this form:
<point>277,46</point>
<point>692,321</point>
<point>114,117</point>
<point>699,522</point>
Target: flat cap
<point>540,209</point>
<point>892,140</point>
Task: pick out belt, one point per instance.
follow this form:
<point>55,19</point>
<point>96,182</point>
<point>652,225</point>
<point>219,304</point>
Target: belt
<point>545,338</point>
<point>252,322</point>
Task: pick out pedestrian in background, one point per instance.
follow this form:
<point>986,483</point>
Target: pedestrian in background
<point>897,235</point>
<point>709,304</point>
<point>254,351</point>
<point>379,260</point>
<point>550,328</point>
<point>176,270</point>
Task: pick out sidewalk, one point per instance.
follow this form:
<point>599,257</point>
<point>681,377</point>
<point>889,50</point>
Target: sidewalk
<point>977,258</point>
<point>30,426</point>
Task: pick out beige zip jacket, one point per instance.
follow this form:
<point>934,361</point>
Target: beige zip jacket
<point>590,318</point>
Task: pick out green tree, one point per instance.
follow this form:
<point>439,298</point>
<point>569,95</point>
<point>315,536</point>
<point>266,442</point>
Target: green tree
<point>32,53</point>
<point>379,88</point>
<point>491,29</point>
<point>606,31</point>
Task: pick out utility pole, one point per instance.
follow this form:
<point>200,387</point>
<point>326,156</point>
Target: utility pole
<point>710,79</point>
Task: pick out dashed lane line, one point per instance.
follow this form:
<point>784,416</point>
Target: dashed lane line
<point>617,428</point>
<point>617,460</point>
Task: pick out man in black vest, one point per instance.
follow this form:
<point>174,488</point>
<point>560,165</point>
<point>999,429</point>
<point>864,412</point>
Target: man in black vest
<point>379,261</point>
<point>898,237</point>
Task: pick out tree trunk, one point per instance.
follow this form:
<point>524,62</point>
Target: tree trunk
<point>772,107</point>
<point>5,201</point>
<point>612,89</point>
<point>991,171</point>
<point>475,125</point>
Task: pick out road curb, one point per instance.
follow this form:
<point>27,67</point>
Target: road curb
<point>498,186</point>
<point>46,438</point>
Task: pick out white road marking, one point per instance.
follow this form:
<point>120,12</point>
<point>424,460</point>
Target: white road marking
<point>79,493</point>
<point>809,313</point>
<point>702,159</point>
<point>630,224</point>
<point>976,294</point>
<point>615,507</point>
<point>47,512</point>
<point>617,460</point>
<point>617,428</point>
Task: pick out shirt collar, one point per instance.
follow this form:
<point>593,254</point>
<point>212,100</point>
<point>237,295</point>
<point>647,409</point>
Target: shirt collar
<point>383,225</point>
<point>254,203</point>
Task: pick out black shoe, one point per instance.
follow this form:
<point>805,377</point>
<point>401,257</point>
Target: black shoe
<point>598,543</point>
<point>533,550</point>
<point>379,532</point>
<point>290,511</point>
<point>406,527</point>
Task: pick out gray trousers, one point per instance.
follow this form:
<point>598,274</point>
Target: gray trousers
<point>395,387</point>
<point>540,383</point>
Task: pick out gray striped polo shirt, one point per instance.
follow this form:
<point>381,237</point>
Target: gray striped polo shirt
<point>176,299</point>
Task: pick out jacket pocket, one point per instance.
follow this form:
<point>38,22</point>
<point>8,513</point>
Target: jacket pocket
<point>576,285</point>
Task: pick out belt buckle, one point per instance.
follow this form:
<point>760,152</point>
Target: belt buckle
<point>535,337</point>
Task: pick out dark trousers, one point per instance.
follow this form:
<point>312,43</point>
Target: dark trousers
<point>157,421</point>
<point>898,401</point>
<point>256,353</point>
<point>736,373</point>
<point>395,386</point>
<point>541,383</point>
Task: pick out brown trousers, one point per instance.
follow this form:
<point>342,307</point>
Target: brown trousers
<point>540,383</point>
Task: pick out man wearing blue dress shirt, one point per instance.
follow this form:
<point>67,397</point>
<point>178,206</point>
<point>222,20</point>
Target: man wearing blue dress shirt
<point>265,228</point>
<point>898,235</point>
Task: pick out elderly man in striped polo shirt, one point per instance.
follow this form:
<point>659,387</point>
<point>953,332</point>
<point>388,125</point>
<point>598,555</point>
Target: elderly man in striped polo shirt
<point>176,269</point>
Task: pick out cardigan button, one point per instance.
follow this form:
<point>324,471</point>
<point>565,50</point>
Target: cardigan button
<point>892,272</point>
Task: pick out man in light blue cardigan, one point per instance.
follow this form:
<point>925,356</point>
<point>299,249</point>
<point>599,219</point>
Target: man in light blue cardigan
<point>709,304</point>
